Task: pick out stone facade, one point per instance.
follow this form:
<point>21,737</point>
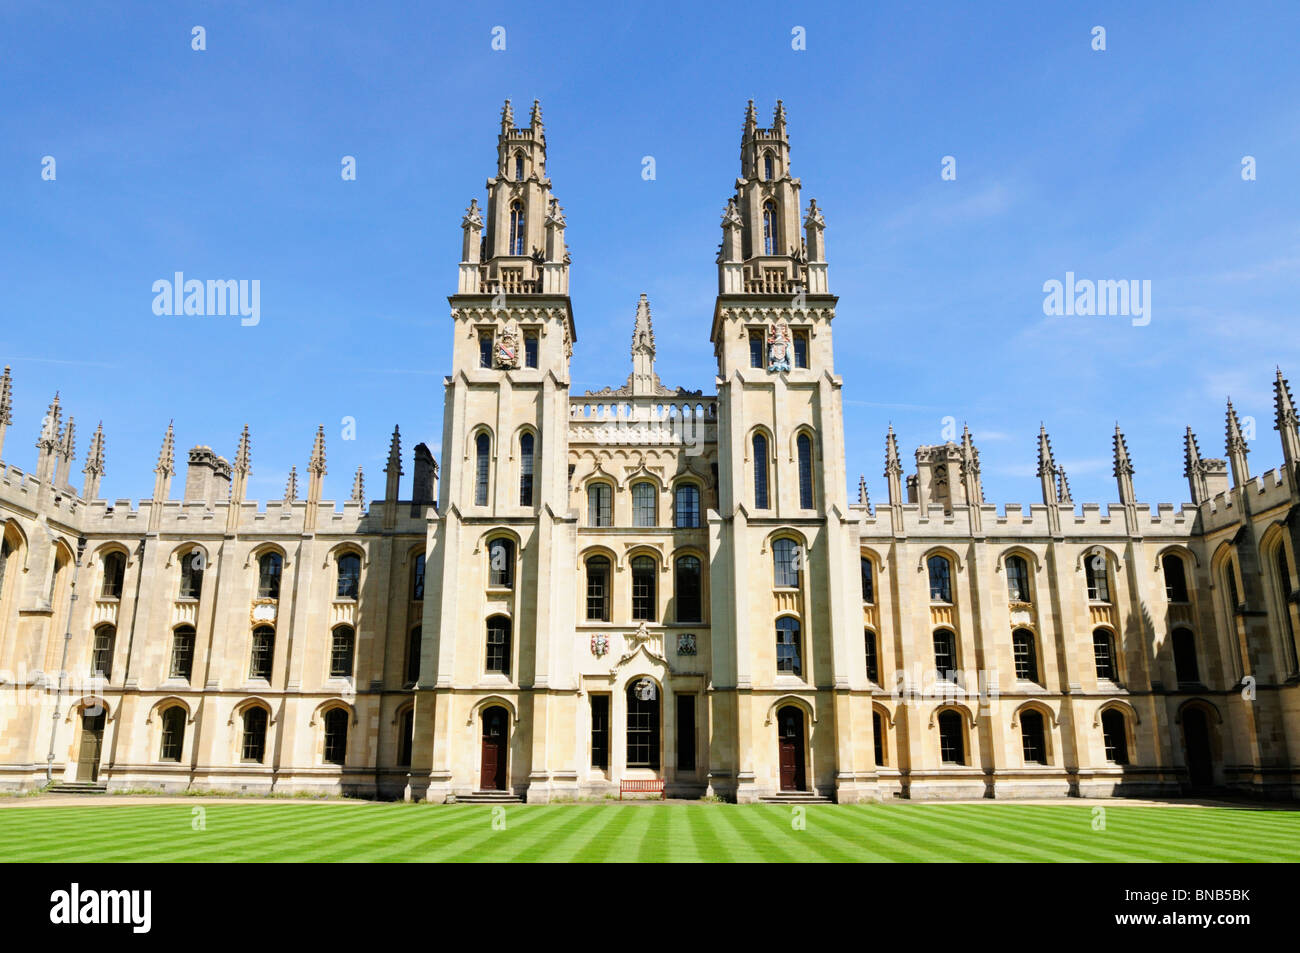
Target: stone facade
<point>648,583</point>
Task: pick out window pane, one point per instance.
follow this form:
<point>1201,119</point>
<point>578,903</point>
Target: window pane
<point>789,659</point>
<point>182,653</point>
<point>501,564</point>
<point>600,731</point>
<point>643,589</point>
<point>526,469</point>
<point>873,666</point>
<point>945,655</point>
<point>643,504</point>
<point>483,451</point>
<point>598,505</point>
<point>498,645</point>
<point>268,582</point>
<point>687,586</point>
<point>530,350</point>
<point>868,589</point>
<point>755,349</point>
<point>341,652</point>
<point>1103,654</point>
<point>1026,656</point>
<point>598,589</point>
<point>785,559</point>
<point>417,580</point>
<point>804,444</point>
<point>940,582</point>
<point>760,471</point>
<point>801,349</point>
<point>1175,579</point>
<point>263,653</point>
<point>688,507</point>
<point>349,576</point>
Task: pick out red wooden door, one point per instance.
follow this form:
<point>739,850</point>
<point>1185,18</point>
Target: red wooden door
<point>492,765</point>
<point>790,731</point>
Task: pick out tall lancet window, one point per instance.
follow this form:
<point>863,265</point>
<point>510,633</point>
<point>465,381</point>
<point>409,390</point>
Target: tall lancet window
<point>525,469</point>
<point>769,228</point>
<point>517,228</point>
<point>519,166</point>
<point>767,166</point>
<point>483,454</point>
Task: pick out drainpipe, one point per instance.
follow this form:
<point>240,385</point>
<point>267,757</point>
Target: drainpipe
<point>63,664</point>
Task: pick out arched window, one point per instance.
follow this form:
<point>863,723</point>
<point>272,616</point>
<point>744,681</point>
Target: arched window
<point>1114,734</point>
<point>182,664</point>
<point>1025,651</point>
<point>417,579</point>
<point>101,655</point>
<point>263,654</point>
<point>192,574</point>
<point>760,472</point>
<point>1098,578</point>
<point>173,734</point>
<point>519,166</point>
<point>253,740</point>
<point>268,575</point>
<point>1234,600</point>
<point>349,583</point>
<point>804,450</point>
<point>405,737</point>
<point>755,349</point>
<point>643,589</point>
<point>517,228</point>
<point>599,505</point>
<point>1017,579</point>
<point>945,655</point>
<point>878,736</point>
<point>413,645</point>
<point>1175,578</point>
<point>1185,668</point>
<point>485,349</point>
<point>114,573</point>
<point>868,588</point>
<point>789,657</point>
<point>643,725</point>
<point>336,735</point>
<point>1033,740</point>
<point>952,740</point>
<point>501,564</point>
<point>498,645</point>
<point>769,228</point>
<point>767,166</point>
<point>686,506</point>
<point>1103,653</point>
<point>785,563</point>
<point>598,589</point>
<point>482,461</point>
<point>1283,570</point>
<point>525,469</point>
<point>342,646</point>
<point>643,504</point>
<point>940,579</point>
<point>873,663</point>
<point>688,590</point>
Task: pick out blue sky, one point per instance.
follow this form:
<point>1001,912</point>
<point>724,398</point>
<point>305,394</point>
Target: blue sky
<point>1122,164</point>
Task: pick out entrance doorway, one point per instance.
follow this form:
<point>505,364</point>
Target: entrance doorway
<point>92,742</point>
<point>1196,741</point>
<point>790,731</point>
<point>492,761</point>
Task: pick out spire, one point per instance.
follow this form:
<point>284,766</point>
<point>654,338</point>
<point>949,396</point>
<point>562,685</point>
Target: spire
<point>1062,487</point>
<point>359,487</point>
<point>1193,468</point>
<point>535,118</point>
<point>751,119</point>
<point>394,467</point>
<point>291,488</point>
<point>1237,449</point>
<point>317,462</point>
<point>643,332</point>
<point>1046,466</point>
<point>863,498</point>
<point>507,116</point>
<point>778,118</point>
<point>6,405</point>
<point>67,450</point>
<point>644,380</point>
<point>243,456</point>
<point>51,427</point>
<point>970,468</point>
<point>94,469</point>
<point>167,454</point>
<point>1287,424</point>
<point>893,468</point>
<point>1123,468</point>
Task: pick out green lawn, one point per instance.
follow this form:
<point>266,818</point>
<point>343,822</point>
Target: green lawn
<point>629,832</point>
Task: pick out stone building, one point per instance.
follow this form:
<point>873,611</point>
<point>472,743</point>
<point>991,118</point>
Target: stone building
<point>648,583</point>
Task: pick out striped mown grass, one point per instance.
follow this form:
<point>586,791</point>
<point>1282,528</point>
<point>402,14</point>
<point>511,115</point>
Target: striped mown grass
<point>644,833</point>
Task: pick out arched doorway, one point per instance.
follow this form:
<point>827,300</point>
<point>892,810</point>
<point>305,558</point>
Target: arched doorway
<point>92,742</point>
<point>492,761</point>
<point>790,734</point>
<point>1196,744</point>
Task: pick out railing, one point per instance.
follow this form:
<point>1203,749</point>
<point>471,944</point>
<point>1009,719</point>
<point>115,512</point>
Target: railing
<point>509,281</point>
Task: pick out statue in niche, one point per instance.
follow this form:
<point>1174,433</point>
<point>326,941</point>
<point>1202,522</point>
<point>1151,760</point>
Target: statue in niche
<point>778,347</point>
<point>507,346</point>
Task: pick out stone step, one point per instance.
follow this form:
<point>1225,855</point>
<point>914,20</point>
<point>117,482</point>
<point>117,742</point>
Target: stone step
<point>77,787</point>
<point>794,797</point>
<point>488,797</point>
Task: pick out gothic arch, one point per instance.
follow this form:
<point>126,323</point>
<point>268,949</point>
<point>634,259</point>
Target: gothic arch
<point>261,549</point>
<point>886,716</point>
<point>967,717</point>
<point>320,711</point>
<point>184,549</point>
<point>170,701</point>
<point>949,553</point>
<point>1124,708</point>
<point>493,701</point>
<point>1038,705</point>
<point>252,701</point>
<point>1094,549</point>
<point>93,702</point>
<point>1186,553</point>
<point>807,707</point>
<point>1023,552</point>
<point>1202,703</point>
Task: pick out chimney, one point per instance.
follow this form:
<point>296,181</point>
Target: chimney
<point>207,478</point>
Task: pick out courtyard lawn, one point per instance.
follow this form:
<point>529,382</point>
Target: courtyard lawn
<point>641,832</point>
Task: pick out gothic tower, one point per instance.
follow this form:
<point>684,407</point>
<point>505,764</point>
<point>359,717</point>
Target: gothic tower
<point>783,550</point>
<point>492,605</point>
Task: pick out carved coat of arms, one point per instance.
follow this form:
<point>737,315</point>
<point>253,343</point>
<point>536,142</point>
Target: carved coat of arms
<point>778,347</point>
<point>599,644</point>
<point>507,346</point>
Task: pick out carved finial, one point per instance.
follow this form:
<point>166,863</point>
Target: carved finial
<point>473,218</point>
<point>1045,462</point>
<point>1191,453</point>
<point>507,116</point>
<point>244,455</point>
<point>68,440</point>
<point>751,117</point>
<point>6,398</point>
<point>167,455</point>
<point>814,217</point>
<point>1236,442</point>
<point>778,117</point>
<point>291,488</point>
<point>95,455</point>
<point>1123,465</point>
<point>359,487</point>
<point>1062,486</point>
<point>536,118</point>
<point>395,454</point>
<point>1282,402</point>
<point>731,215</point>
<point>892,463</point>
<point>643,332</point>
<point>863,499</point>
<point>51,426</point>
<point>317,462</point>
